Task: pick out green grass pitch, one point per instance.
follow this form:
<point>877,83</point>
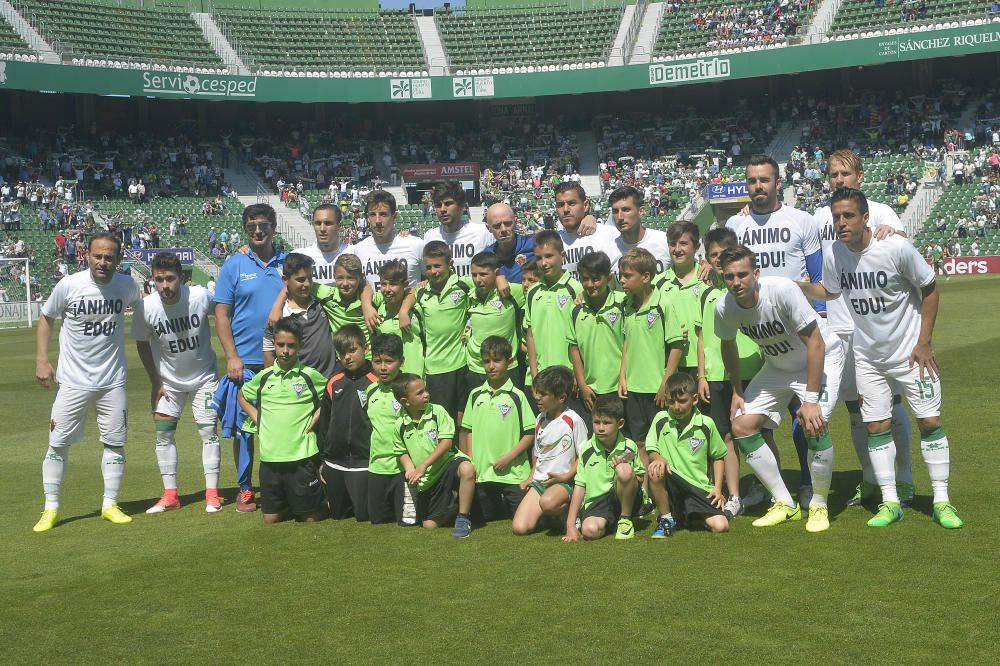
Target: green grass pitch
<point>186,586</point>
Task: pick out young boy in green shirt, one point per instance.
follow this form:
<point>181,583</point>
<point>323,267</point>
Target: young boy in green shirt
<point>686,455</point>
<point>597,333</point>
<point>424,442</point>
<point>549,306</point>
<point>342,303</point>
<point>608,477</point>
<point>283,403</point>
<point>388,302</point>
<point>385,477</point>
<point>443,307</point>
<point>714,390</point>
<point>491,314</point>
<point>498,429</point>
<point>651,351</point>
<point>684,289</point>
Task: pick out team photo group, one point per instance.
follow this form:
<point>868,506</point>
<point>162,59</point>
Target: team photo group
<point>596,378</point>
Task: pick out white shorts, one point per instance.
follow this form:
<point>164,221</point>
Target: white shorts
<point>875,385</point>
<point>848,381</point>
<point>771,389</point>
<point>69,415</point>
<point>200,399</point>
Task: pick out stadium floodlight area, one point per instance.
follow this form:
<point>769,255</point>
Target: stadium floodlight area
<point>16,309</point>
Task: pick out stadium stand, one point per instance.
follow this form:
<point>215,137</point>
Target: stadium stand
<point>96,30</point>
<point>10,42</point>
<point>528,36</point>
<point>866,15</point>
<point>703,25</point>
<point>290,40</point>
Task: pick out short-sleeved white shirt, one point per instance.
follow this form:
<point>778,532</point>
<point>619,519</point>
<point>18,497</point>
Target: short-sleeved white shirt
<point>324,261</point>
<point>373,255</point>
<point>576,247</point>
<point>92,337</point>
<point>655,242</point>
<point>557,441</point>
<point>468,241</point>
<point>781,240</point>
<point>179,336</point>
<point>878,213</point>
<point>880,287</point>
<point>782,311</point>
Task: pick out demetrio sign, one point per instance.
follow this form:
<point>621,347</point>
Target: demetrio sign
<point>914,45</point>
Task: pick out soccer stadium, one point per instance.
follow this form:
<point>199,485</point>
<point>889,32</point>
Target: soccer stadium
<point>595,276</point>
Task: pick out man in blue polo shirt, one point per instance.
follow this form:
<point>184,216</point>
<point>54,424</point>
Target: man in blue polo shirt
<point>512,250</point>
<point>247,287</point>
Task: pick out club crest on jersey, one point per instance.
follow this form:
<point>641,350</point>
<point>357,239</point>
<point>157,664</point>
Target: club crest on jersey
<point>562,299</point>
<point>612,317</point>
<point>520,260</point>
<point>696,443</point>
<point>498,304</point>
<point>455,296</point>
<point>298,388</point>
<point>432,435</point>
<point>651,318</point>
<point>362,398</point>
<point>396,406</point>
<point>504,411</point>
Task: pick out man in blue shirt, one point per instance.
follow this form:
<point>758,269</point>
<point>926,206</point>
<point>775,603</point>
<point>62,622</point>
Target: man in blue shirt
<point>247,287</point>
<point>511,249</point>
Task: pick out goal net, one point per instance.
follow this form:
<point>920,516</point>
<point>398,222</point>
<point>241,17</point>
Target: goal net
<point>16,308</point>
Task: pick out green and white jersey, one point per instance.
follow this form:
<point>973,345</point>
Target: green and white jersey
<point>549,316</point>
<point>689,449</point>
<point>686,301</point>
<point>649,332</point>
<point>881,287</point>
<point>444,314</point>
<point>498,420</point>
<point>286,401</point>
<point>339,313</point>
<point>419,437</point>
<point>598,335</point>
<point>494,315</point>
<point>414,343</point>
<point>595,472</point>
<point>383,412</point>
<point>774,323</point>
<point>751,360</point>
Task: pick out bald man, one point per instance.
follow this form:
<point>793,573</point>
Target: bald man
<point>511,249</point>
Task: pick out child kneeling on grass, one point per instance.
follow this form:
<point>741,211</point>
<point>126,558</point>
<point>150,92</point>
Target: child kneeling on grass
<point>426,449</point>
<point>608,477</point>
<point>686,462</point>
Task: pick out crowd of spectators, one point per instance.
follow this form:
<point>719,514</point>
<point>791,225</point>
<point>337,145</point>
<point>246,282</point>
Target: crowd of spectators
<point>742,26</point>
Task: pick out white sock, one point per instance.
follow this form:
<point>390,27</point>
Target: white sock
<point>765,466</point>
<point>882,450</point>
<point>113,469</point>
<point>821,468</point>
<point>859,437</point>
<point>902,434</point>
<point>53,470</point>
<point>937,454</point>
<point>409,504</point>
<point>210,455</point>
<point>166,457</point>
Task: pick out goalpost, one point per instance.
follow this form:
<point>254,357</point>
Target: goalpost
<point>16,308</point>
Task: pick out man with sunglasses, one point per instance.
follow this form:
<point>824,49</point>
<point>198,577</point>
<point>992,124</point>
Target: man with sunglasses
<point>247,287</point>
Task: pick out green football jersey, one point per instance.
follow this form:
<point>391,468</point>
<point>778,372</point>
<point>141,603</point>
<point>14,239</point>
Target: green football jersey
<point>549,316</point>
<point>339,313</point>
<point>383,412</point>
<point>493,315</point>
<point>751,360</point>
<point>414,344</point>
<point>286,402</point>
<point>649,332</point>
<point>690,449</point>
<point>419,437</point>
<point>686,300</point>
<point>498,420</point>
<point>595,473</point>
<point>444,314</point>
<point>599,334</point>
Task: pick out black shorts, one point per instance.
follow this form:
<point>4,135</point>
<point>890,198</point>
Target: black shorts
<point>496,501</point>
<point>347,493</point>
<point>385,498</point>
<point>640,408</point>
<point>448,390</point>
<point>691,372</point>
<point>473,380</point>
<point>687,502</point>
<point>439,499</point>
<point>609,507</point>
<point>291,487</point>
